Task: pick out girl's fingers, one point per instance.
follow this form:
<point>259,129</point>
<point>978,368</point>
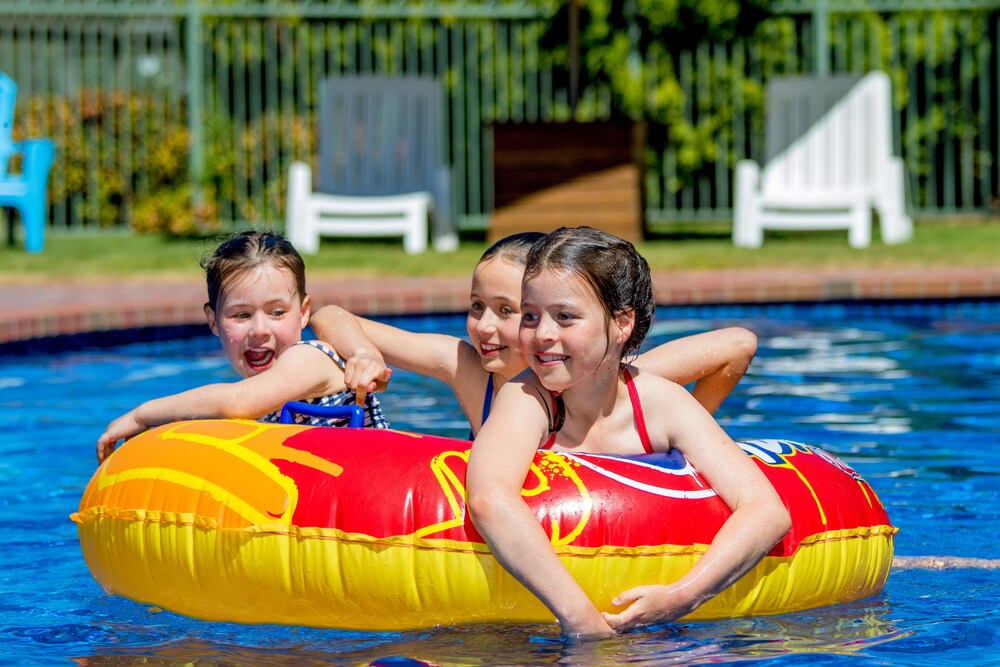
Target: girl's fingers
<point>627,597</point>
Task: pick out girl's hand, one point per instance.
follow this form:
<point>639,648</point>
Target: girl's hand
<point>595,627</point>
<point>124,427</point>
<point>366,372</point>
<point>648,605</point>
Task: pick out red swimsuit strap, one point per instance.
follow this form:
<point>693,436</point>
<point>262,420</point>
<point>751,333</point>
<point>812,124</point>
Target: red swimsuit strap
<point>558,418</point>
<point>640,421</point>
<point>559,415</point>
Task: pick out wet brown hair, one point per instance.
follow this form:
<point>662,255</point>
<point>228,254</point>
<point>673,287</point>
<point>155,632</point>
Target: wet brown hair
<point>245,251</point>
<point>612,267</point>
<point>513,248</point>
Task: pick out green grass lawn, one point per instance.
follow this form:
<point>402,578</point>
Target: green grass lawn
<point>115,256</point>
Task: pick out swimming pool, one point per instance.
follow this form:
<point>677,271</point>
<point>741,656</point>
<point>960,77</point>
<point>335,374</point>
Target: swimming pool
<point>905,393</point>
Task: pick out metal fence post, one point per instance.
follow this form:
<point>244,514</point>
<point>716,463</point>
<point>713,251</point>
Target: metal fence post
<point>821,41</point>
<point>196,159</point>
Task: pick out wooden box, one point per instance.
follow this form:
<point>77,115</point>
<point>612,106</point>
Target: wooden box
<point>551,175</point>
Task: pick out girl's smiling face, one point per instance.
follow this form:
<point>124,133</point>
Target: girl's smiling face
<point>565,334</point>
<point>260,315</point>
<point>495,315</point>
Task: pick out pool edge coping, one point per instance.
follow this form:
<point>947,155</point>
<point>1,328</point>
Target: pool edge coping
<point>29,312</point>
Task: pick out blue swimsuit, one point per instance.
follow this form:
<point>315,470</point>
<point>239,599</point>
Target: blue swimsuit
<point>373,411</point>
<point>487,404</point>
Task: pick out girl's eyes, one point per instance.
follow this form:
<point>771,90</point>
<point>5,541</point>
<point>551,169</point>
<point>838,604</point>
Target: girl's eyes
<point>280,312</point>
<point>529,318</point>
<point>479,307</point>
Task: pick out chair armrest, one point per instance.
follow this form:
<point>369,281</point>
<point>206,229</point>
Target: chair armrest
<point>38,157</point>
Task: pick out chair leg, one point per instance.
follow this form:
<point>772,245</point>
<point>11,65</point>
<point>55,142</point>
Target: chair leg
<point>860,233</point>
<point>447,242</point>
<point>895,224</point>
<point>9,214</point>
<point>415,238</point>
<point>300,228</point>
<point>33,217</point>
<point>747,229</point>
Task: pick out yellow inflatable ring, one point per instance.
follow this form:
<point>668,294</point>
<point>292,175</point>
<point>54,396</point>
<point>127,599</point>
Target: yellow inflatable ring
<point>366,529</point>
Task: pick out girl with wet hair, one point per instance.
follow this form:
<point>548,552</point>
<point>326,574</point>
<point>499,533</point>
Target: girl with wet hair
<point>257,307</point>
<point>610,265</point>
<point>586,302</point>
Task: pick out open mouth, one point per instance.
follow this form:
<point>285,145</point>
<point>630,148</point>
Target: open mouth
<point>487,349</point>
<point>258,359</point>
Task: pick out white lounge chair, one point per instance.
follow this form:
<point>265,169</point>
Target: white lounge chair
<point>380,172</point>
<point>829,163</point>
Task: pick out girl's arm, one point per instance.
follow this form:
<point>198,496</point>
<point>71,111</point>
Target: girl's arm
<point>364,365</point>
<point>302,371</point>
<point>758,520</point>
<point>499,462</point>
<point>445,358</point>
<point>715,361</point>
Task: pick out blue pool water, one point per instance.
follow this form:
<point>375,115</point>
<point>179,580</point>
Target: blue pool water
<point>907,394</point>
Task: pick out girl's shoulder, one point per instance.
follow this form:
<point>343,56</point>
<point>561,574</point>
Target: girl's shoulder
<point>303,358</point>
<point>653,387</point>
<point>651,380</point>
<point>525,384</point>
<point>325,348</point>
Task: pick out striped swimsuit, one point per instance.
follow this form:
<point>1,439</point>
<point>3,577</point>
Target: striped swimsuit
<point>373,411</point>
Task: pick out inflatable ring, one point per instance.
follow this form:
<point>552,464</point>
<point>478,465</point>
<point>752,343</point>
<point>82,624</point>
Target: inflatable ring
<point>366,529</point>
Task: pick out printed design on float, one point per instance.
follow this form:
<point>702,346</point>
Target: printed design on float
<point>662,463</point>
<point>778,454</point>
<point>667,475</point>
<point>453,487</point>
<point>550,466</point>
<point>544,470</point>
<point>250,442</point>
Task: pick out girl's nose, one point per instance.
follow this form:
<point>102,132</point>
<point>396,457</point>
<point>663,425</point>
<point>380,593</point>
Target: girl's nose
<point>545,329</point>
<point>487,322</point>
<point>258,325</point>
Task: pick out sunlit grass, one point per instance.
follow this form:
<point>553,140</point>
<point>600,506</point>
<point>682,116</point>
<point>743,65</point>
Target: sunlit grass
<point>941,242</point>
<point>102,256</point>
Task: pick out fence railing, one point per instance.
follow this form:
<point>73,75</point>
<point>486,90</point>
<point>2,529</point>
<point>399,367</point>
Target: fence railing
<point>155,104</point>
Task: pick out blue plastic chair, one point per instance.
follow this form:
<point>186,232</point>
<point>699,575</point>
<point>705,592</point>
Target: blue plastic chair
<point>27,191</point>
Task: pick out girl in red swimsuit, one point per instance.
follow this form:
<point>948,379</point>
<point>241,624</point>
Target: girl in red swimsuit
<point>586,304</point>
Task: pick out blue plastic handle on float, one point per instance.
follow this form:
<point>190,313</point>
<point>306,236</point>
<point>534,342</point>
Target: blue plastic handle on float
<point>355,412</point>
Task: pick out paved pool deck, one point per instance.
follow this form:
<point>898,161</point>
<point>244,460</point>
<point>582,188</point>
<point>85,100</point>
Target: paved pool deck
<point>38,311</point>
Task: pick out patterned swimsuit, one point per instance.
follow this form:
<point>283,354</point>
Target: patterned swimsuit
<point>373,411</point>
